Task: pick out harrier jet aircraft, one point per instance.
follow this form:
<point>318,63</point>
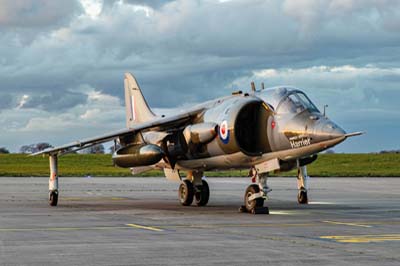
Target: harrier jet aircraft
<point>267,130</point>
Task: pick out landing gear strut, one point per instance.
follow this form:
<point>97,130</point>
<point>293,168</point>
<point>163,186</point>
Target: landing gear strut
<point>53,180</point>
<point>194,187</point>
<point>302,185</point>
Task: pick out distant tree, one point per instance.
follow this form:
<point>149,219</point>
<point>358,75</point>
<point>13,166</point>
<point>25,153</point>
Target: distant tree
<point>28,149</point>
<point>330,151</point>
<point>32,148</point>
<point>43,145</point>
<point>3,150</point>
<point>391,151</point>
<point>96,149</point>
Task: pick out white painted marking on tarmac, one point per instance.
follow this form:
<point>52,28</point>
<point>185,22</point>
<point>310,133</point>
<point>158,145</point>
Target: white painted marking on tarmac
<point>281,213</point>
<point>321,203</point>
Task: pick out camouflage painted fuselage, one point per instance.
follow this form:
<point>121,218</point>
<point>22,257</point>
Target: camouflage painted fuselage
<point>242,130</point>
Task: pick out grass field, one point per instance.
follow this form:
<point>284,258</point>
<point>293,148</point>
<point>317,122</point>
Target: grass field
<point>101,165</point>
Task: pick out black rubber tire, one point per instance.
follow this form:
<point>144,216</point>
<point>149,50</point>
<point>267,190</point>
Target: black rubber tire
<point>302,197</point>
<point>250,205</point>
<point>202,194</point>
<point>186,193</point>
<point>53,198</point>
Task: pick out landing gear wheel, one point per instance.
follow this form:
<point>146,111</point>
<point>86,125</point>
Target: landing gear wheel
<point>302,197</point>
<point>53,198</point>
<point>186,193</point>
<point>202,194</point>
<point>251,205</point>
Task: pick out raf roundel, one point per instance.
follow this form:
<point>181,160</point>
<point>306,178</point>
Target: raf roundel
<point>224,132</point>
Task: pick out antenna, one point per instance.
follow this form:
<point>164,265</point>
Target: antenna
<point>325,106</point>
<point>262,85</point>
<point>253,87</point>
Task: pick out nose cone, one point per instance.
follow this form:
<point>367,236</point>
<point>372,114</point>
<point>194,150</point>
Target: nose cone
<point>332,130</point>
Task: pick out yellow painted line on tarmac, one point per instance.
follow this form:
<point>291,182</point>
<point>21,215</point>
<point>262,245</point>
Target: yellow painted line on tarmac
<point>71,198</point>
<point>363,238</point>
<point>213,226</point>
<point>145,227</point>
<point>346,223</point>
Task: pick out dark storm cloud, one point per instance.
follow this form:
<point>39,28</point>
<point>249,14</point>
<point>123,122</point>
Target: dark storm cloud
<point>36,13</point>
<point>59,101</point>
<point>189,47</point>
<point>6,101</point>
<point>190,50</point>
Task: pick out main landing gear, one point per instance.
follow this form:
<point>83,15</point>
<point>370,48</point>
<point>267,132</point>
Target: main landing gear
<point>256,194</point>
<point>194,188</point>
<point>53,180</point>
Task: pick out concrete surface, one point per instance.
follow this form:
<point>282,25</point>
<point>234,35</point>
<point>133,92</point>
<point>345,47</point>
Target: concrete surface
<point>138,221</point>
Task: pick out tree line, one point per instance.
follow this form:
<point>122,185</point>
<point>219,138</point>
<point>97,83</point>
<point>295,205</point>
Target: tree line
<point>37,147</point>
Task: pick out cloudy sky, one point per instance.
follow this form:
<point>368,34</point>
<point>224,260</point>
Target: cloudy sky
<point>62,62</point>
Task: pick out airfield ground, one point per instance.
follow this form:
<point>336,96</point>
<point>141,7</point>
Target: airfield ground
<point>138,221</point>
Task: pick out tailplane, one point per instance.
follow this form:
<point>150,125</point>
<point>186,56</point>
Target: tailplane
<point>137,109</point>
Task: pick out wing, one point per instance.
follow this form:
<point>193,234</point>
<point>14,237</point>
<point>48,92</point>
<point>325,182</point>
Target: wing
<point>159,123</point>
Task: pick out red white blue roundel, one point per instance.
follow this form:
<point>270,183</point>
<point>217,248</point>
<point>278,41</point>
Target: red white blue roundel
<point>224,132</point>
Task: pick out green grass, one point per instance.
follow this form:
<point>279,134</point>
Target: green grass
<point>340,165</point>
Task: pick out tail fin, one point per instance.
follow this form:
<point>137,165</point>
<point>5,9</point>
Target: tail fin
<point>137,110</point>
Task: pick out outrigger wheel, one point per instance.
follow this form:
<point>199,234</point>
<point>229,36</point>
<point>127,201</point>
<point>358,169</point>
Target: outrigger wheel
<point>302,197</point>
<point>53,198</point>
<point>254,206</point>
<point>202,194</point>
<point>186,193</point>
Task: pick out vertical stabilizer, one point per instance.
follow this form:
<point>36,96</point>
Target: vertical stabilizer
<point>137,110</point>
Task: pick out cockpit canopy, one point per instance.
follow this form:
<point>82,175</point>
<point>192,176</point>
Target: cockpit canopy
<point>288,100</point>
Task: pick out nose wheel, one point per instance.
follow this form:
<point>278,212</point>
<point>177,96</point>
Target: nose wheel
<point>249,200</point>
<point>254,201</point>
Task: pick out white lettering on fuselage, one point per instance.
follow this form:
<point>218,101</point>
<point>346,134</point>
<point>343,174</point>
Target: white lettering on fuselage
<point>297,143</point>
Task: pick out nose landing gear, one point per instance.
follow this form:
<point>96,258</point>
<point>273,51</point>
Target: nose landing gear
<point>53,180</point>
<point>256,194</point>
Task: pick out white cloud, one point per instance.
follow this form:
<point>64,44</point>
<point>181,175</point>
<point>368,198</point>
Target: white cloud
<point>92,7</point>
<point>23,101</point>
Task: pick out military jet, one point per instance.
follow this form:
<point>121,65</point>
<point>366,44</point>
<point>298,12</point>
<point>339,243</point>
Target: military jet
<point>264,131</point>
